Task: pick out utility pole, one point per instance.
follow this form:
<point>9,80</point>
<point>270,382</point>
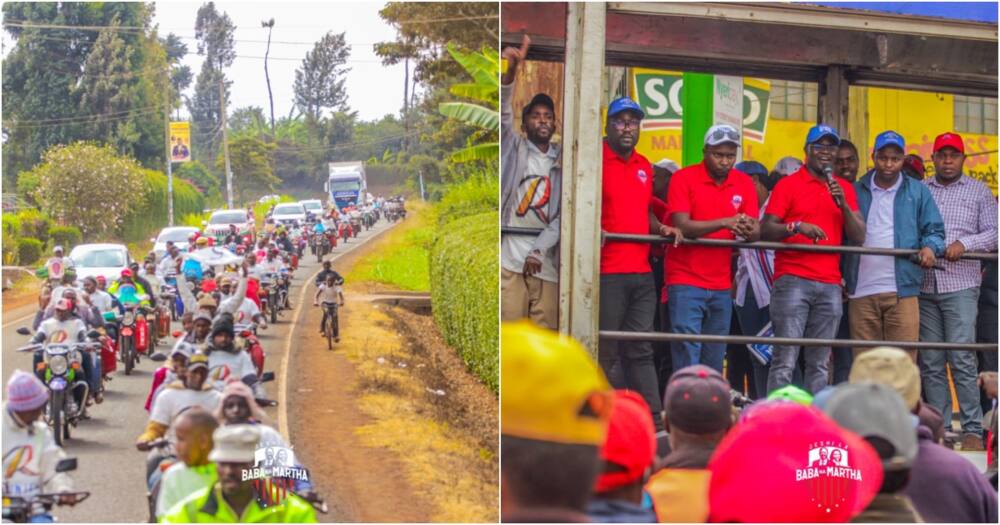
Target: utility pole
<point>422,185</point>
<point>225,143</point>
<point>270,26</point>
<point>170,172</point>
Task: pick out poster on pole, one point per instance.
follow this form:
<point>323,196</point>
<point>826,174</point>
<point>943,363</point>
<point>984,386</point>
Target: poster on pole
<point>180,141</point>
<point>728,104</point>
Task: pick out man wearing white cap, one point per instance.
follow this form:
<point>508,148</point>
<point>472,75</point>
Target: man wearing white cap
<point>710,200</point>
<point>30,453</point>
<point>233,499</point>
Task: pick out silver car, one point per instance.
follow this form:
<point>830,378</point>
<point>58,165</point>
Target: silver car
<point>178,234</point>
<point>107,260</point>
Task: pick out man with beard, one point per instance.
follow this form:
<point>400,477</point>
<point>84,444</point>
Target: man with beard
<point>628,295</point>
<point>531,182</point>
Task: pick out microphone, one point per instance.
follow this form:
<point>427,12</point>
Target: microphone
<point>828,172</point>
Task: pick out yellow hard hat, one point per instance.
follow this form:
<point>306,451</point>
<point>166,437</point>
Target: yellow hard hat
<point>552,389</point>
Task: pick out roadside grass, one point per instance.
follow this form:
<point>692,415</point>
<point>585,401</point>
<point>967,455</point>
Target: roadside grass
<point>402,256</point>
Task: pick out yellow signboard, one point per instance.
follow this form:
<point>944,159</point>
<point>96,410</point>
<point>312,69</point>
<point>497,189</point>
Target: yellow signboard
<point>180,141</point>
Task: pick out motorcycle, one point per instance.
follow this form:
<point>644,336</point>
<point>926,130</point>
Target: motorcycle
<point>133,335</point>
<point>62,372</point>
<point>321,246</point>
<point>27,509</point>
<point>355,226</point>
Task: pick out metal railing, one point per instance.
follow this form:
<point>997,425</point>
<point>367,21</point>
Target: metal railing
<point>789,341</point>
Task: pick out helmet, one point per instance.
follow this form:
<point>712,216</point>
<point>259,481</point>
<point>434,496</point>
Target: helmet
<point>791,393</point>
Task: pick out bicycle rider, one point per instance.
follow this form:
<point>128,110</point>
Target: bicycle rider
<point>328,293</point>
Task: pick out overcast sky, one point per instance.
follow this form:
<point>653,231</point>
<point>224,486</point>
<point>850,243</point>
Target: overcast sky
<point>373,90</point>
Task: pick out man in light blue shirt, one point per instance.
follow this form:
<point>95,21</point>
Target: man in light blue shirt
<point>899,212</point>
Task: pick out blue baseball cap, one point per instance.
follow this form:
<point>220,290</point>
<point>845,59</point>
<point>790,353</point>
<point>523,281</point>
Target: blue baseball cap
<point>889,138</point>
<point>624,104</point>
<point>819,131</point>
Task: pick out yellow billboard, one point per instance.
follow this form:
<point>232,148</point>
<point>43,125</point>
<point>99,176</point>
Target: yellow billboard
<point>180,141</point>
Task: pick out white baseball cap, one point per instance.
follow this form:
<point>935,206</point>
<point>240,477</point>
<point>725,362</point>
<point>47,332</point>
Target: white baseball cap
<point>721,134</point>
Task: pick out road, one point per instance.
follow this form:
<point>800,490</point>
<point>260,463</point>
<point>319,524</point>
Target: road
<point>109,466</point>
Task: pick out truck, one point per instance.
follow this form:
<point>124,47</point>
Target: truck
<point>346,184</point>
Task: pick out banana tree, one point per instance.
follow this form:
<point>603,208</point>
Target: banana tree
<point>484,68</point>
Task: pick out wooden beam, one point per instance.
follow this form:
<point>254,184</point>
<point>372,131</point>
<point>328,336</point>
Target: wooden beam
<point>833,99</point>
<point>580,244</point>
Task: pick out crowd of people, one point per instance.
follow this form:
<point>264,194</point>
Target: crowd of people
<point>575,449</point>
<point>935,295</point>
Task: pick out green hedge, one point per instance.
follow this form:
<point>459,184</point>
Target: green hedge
<point>11,232</point>
<point>29,250</point>
<point>65,236</point>
<point>477,194</point>
<point>34,224</point>
<point>153,215</point>
<point>465,291</point>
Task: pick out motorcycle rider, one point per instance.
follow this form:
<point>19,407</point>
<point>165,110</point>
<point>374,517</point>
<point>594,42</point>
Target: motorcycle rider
<point>225,359</point>
<point>57,265</point>
<point>233,237</point>
<point>141,282</point>
<point>64,327</point>
<point>194,471</point>
<point>30,453</point>
<point>192,390</point>
<point>243,309</point>
<point>168,374</point>
<point>120,289</point>
<point>232,499</point>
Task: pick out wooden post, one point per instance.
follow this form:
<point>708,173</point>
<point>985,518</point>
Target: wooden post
<point>834,99</point>
<point>580,246</point>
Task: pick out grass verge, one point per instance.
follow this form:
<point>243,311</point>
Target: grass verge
<point>402,259</point>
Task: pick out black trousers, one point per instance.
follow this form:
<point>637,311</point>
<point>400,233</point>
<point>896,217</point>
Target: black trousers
<point>628,303</point>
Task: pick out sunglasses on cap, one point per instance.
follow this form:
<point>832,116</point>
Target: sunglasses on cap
<point>723,134</point>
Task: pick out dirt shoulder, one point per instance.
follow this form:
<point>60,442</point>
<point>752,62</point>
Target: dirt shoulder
<point>390,423</point>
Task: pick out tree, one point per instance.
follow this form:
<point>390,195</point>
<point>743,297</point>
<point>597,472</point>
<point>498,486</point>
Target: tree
<point>201,178</point>
<point>106,88</point>
<point>253,168</point>
<point>319,82</point>
<point>181,75</point>
<point>248,121</point>
<point>484,67</point>
<point>71,179</point>
<point>214,31</point>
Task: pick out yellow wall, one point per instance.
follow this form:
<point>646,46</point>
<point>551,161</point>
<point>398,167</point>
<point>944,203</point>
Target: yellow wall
<point>918,116</point>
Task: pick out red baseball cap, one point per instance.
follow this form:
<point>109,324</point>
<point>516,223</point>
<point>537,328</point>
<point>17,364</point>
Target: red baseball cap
<point>101,279</point>
<point>126,273</point>
<point>946,140</point>
<point>822,472</point>
<point>630,442</point>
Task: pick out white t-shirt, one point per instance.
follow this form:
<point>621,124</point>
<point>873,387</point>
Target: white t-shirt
<point>102,300</point>
<point>245,313</point>
<point>328,294</point>
<point>533,195</point>
<point>35,454</point>
<point>877,273</point>
<point>173,399</point>
<point>222,365</point>
<point>57,331</point>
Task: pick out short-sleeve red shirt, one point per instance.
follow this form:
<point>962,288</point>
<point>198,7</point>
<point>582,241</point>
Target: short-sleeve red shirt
<point>693,191</point>
<point>626,190</point>
<point>803,197</point>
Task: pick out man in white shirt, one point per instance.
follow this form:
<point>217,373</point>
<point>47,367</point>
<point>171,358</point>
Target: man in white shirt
<point>530,188</point>
<point>194,390</point>
<point>170,262</point>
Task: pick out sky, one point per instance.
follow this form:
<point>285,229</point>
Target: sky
<point>373,90</point>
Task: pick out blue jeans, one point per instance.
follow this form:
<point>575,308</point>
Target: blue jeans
<point>696,310</point>
<point>808,309</point>
<point>951,317</point>
<point>41,518</point>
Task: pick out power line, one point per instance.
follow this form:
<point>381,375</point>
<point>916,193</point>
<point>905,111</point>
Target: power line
<point>345,146</point>
<point>70,120</point>
<point>29,25</point>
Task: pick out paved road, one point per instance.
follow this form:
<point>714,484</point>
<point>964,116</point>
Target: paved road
<point>109,465</point>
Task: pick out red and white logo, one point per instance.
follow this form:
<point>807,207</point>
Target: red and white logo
<point>829,474</point>
<point>642,175</point>
<point>737,201</point>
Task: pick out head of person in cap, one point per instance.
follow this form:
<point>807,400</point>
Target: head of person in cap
<point>750,468</point>
<point>223,333</point>
<point>238,405</point>
<point>197,372</point>
<point>57,251</point>
<point>722,142</point>
<point>538,117</point>
<point>234,450</point>
<point>948,157</point>
<point>207,303</point>
<point>623,123</point>
<point>628,454</point>
<point>878,414</point>
<point>822,143</point>
<point>698,413</point>
<point>888,156</point>
<point>555,407</point>
<point>201,326</point>
<point>26,397</point>
<point>762,179</point>
<point>913,167</point>
<point>179,357</point>
<point>662,171</point>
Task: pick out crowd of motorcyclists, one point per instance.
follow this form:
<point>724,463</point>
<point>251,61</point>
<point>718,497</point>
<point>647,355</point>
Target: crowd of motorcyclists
<point>211,387</point>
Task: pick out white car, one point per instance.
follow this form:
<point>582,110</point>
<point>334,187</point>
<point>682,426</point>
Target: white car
<point>288,212</point>
<point>108,260</point>
<point>269,198</point>
<point>178,234</point>
<point>313,206</point>
<point>218,224</point>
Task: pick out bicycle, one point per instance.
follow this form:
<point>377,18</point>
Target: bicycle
<point>331,324</point>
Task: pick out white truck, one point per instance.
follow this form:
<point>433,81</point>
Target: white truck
<point>346,184</point>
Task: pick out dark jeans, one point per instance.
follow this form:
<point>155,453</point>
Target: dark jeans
<point>807,309</point>
<point>628,303</point>
<point>986,332</point>
<point>696,310</point>
<point>661,323</point>
<point>843,356</point>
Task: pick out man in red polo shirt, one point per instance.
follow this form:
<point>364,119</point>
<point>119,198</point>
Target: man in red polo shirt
<point>810,206</point>
<point>709,200</point>
<point>627,293</point>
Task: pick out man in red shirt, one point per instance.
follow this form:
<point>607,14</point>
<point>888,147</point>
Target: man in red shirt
<point>708,200</point>
<point>810,206</point>
<point>627,293</point>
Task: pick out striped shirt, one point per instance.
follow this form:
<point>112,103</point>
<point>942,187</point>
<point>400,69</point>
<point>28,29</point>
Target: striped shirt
<point>757,266</point>
<point>969,211</point>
